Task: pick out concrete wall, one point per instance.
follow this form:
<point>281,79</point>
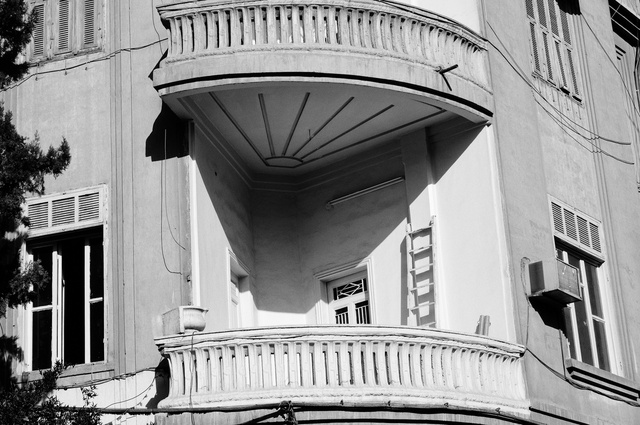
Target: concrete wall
<point>105,105</point>
<point>539,158</point>
<point>473,274</point>
<point>224,222</point>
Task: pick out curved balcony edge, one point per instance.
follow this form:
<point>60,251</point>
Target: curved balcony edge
<point>368,366</point>
<point>213,43</point>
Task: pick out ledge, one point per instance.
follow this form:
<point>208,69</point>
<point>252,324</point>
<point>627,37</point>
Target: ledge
<point>76,374</point>
<point>602,381</point>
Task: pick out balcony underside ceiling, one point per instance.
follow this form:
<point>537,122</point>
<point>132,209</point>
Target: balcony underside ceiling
<point>293,128</point>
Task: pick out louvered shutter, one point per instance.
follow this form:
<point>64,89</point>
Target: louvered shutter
<point>89,27</point>
<point>54,213</point>
<point>63,25</point>
<point>38,30</point>
<point>576,228</point>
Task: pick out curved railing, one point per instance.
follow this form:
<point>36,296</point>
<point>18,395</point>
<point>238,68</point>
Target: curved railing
<point>331,365</point>
<point>370,28</point>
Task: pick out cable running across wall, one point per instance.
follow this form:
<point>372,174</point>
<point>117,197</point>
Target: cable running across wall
<point>563,126</point>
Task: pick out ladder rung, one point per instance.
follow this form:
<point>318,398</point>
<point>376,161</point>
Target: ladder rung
<point>424,285</point>
<point>424,229</point>
<point>419,250</point>
<point>421,269</point>
<point>427,304</point>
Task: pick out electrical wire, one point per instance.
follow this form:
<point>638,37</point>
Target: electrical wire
<point>98,59</point>
<point>104,380</point>
<point>513,64</point>
<point>164,180</point>
<point>606,53</point>
<point>522,74</point>
<point>134,397</point>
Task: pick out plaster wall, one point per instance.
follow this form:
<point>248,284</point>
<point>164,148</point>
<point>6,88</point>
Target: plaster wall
<point>539,158</point>
<point>224,222</point>
<point>472,273</point>
<point>285,238</point>
<point>105,105</point>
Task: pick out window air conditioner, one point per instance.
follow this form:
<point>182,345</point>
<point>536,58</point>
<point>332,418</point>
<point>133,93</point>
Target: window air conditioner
<point>556,280</point>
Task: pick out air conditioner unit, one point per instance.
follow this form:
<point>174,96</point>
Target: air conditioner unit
<point>556,280</point>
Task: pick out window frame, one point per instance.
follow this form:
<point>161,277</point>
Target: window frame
<point>349,302</point>
<point>52,225</point>
<point>324,278</point>
<point>551,44</point>
<point>58,304</point>
<point>573,336</point>
<point>76,29</point>
<point>587,245</point>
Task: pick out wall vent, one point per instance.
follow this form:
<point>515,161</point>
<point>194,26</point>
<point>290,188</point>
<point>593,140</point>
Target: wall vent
<point>576,228</point>
<point>67,211</point>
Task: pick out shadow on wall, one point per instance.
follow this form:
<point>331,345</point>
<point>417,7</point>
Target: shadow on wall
<point>286,237</point>
<point>168,137</point>
<point>162,378</point>
<point>447,143</point>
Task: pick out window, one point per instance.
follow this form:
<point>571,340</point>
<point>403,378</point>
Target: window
<point>552,51</point>
<point>63,26</point>
<point>68,316</point>
<point>67,320</point>
<point>585,322</point>
<point>349,300</point>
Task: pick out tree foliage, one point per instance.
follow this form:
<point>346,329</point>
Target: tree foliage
<point>23,168</point>
<point>32,404</point>
<point>15,32</point>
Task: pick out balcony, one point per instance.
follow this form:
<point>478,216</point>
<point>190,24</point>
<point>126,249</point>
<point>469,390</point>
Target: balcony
<point>321,78</point>
<point>333,366</point>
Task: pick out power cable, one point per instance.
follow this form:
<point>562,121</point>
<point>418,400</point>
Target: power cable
<point>606,53</point>
<point>104,380</point>
<point>511,62</point>
<point>66,69</point>
<point>522,74</point>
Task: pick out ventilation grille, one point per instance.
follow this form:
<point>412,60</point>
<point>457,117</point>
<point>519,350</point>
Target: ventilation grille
<point>59,212</point>
<point>576,227</point>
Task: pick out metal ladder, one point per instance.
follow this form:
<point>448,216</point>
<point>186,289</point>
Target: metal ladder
<point>421,275</point>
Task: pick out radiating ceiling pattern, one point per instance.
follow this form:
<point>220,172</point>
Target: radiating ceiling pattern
<point>288,127</point>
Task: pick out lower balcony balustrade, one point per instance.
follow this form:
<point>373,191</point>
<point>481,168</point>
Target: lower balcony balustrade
<point>363,366</point>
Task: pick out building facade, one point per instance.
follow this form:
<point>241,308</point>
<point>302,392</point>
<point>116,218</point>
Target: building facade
<point>344,211</point>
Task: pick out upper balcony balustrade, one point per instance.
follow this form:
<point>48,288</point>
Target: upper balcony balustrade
<point>374,366</point>
<point>343,73</point>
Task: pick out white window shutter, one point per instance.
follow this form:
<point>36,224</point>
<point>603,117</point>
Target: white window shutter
<point>89,37</point>
<point>63,211</point>
<point>38,30</point>
<point>68,211</point>
<point>39,215</point>
<point>63,25</point>
<point>573,227</point>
